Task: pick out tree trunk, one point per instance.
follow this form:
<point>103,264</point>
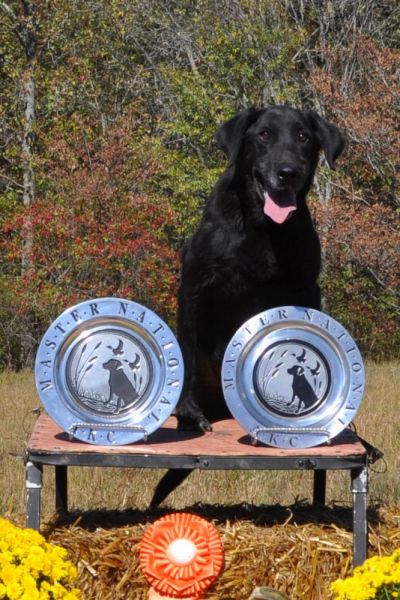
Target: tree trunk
<point>25,27</point>
<point>29,100</point>
<point>28,344</point>
<point>27,158</point>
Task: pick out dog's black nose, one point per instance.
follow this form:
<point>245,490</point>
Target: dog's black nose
<point>287,174</point>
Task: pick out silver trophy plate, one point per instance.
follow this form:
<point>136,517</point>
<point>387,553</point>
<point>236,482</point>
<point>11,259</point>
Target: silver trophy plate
<point>293,377</point>
<point>109,371</point>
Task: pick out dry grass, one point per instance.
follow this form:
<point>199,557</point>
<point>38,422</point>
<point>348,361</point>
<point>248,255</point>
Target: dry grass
<point>91,488</point>
<point>299,552</point>
<point>284,543</point>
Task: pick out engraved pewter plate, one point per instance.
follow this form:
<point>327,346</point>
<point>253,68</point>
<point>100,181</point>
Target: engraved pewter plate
<point>293,377</point>
<point>109,371</point>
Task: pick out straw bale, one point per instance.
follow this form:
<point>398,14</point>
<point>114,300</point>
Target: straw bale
<point>298,555</point>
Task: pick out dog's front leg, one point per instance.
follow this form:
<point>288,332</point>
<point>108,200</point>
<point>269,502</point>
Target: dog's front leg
<point>189,414</point>
<point>293,399</point>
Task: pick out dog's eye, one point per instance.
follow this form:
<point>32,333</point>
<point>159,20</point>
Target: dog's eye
<point>265,134</point>
<point>303,137</point>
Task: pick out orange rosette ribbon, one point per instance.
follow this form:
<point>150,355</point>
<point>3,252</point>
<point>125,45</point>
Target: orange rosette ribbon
<point>181,555</point>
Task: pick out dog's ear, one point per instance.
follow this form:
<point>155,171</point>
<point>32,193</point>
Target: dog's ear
<point>230,135</point>
<point>330,138</point>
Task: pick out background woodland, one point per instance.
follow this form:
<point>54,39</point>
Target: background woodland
<point>107,118</point>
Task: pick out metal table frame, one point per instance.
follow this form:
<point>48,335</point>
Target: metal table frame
<point>68,453</point>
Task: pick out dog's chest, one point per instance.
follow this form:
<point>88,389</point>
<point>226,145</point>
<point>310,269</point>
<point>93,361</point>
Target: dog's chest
<point>256,259</point>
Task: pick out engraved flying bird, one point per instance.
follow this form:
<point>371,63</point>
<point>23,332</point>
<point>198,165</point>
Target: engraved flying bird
<point>135,364</point>
<point>316,370</point>
<point>119,349</point>
<point>301,357</point>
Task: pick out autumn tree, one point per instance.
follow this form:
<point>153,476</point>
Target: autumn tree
<point>23,22</point>
<point>119,154</point>
<point>98,236</point>
<point>355,83</point>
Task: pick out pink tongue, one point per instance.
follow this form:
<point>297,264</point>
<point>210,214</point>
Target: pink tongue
<point>278,213</point>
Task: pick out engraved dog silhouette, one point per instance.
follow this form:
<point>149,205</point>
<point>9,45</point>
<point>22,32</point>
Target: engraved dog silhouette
<point>119,384</point>
<point>301,388</point>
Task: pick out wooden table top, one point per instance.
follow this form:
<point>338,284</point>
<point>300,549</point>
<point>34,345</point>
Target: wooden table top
<point>227,439</point>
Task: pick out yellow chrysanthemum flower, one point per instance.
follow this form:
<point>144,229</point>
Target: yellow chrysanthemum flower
<point>13,590</point>
<point>8,574</point>
<point>377,578</point>
<point>31,568</point>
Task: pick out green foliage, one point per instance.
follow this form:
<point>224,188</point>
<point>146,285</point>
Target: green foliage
<point>233,61</point>
<point>364,309</point>
<point>186,180</point>
<point>361,275</point>
<point>128,99</point>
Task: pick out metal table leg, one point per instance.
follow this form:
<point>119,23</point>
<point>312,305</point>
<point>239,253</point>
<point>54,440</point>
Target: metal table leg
<point>61,480</point>
<point>33,482</point>
<point>359,488</point>
<point>319,492</point>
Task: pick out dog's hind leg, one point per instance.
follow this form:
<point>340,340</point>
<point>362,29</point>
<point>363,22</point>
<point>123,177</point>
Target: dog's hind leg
<point>167,484</point>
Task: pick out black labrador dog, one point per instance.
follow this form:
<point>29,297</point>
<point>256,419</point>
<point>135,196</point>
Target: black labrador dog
<point>256,248</point>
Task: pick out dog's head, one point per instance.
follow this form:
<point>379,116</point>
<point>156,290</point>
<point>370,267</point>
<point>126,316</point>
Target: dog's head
<point>295,370</point>
<point>112,364</point>
<point>276,151</point>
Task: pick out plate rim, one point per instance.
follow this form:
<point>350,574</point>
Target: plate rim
<point>260,326</point>
<point>115,430</point>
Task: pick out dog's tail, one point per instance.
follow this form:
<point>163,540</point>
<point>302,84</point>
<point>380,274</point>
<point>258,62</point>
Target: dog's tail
<point>167,484</point>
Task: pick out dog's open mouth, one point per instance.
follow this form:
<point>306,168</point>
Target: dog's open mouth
<point>279,205</point>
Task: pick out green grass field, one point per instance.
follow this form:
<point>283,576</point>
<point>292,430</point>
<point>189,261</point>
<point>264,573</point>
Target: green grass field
<point>94,488</point>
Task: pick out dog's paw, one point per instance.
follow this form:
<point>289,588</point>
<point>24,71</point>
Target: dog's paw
<point>198,423</point>
<point>204,424</point>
